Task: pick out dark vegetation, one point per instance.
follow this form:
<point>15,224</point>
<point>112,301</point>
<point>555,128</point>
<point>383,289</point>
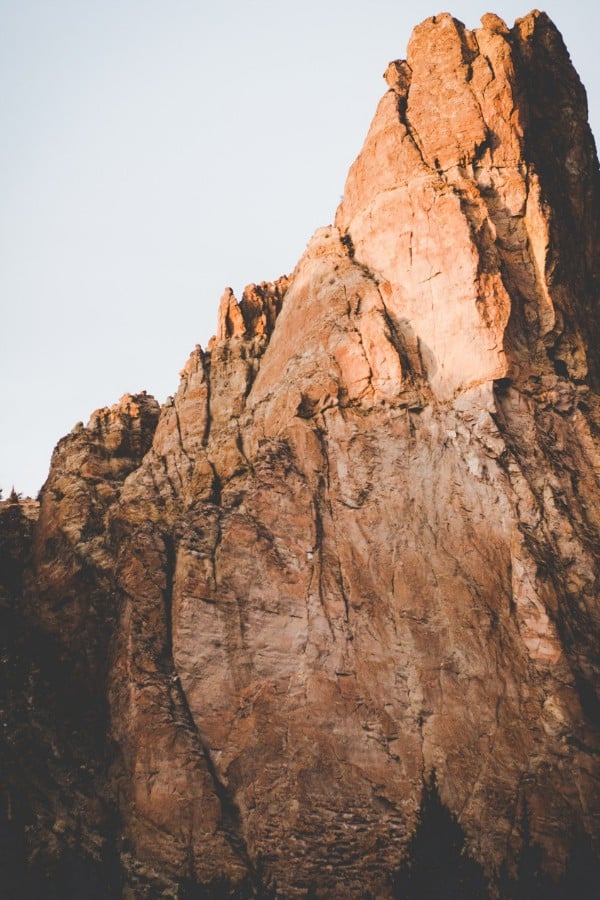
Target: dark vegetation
<point>439,868</point>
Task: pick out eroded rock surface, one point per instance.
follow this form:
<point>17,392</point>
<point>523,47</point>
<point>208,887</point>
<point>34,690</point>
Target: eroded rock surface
<point>356,554</point>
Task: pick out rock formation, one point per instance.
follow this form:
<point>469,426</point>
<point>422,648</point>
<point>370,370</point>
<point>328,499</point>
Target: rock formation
<point>348,575</point>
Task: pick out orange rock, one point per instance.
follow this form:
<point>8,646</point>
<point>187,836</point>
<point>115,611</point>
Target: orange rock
<point>356,555</point>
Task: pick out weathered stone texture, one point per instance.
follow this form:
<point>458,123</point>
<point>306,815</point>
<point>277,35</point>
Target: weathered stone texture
<point>359,546</point>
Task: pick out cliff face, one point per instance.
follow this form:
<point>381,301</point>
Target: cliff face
<point>353,564</point>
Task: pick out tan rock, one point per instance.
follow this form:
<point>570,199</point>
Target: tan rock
<point>359,547</point>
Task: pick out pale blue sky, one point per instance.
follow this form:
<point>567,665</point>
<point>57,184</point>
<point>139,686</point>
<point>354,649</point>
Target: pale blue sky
<point>155,152</point>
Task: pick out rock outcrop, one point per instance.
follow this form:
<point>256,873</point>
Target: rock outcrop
<point>348,574</point>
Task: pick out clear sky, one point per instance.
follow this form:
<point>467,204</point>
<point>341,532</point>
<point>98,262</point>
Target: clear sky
<point>155,151</point>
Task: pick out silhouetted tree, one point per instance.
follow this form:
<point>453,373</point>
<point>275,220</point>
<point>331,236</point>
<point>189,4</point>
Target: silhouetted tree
<point>531,883</point>
<point>437,866</point>
<point>582,875</point>
<point>580,881</point>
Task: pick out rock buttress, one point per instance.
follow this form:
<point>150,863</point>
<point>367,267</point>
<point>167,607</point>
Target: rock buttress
<point>349,573</point>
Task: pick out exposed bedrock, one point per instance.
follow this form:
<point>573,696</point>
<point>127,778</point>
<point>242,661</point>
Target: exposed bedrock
<point>350,570</point>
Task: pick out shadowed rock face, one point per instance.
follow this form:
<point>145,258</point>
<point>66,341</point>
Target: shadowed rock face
<point>357,553</point>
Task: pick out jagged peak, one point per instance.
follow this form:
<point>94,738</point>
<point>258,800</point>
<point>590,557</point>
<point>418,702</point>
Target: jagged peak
<point>362,548</point>
<point>254,315</point>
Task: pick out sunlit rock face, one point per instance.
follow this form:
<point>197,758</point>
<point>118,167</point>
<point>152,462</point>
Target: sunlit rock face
<point>348,574</point>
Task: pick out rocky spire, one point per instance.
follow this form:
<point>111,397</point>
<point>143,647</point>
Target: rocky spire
<point>339,594</point>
